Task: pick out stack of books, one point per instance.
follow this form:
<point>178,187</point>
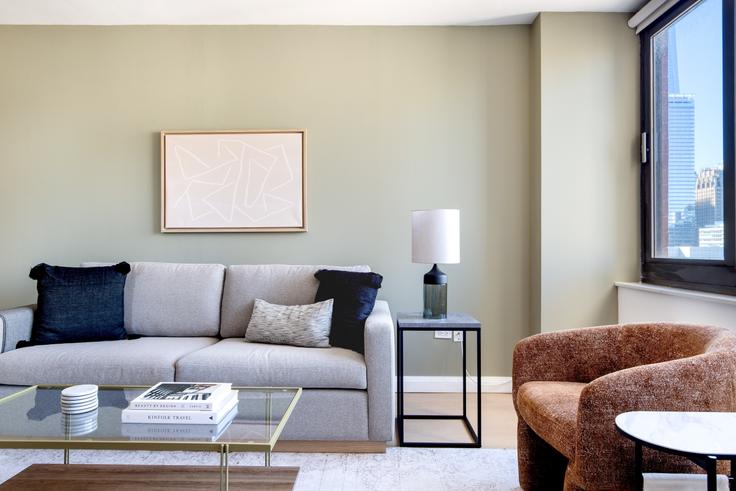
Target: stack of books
<point>184,403</point>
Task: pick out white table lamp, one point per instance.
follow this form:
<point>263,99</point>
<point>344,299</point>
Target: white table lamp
<point>435,238</point>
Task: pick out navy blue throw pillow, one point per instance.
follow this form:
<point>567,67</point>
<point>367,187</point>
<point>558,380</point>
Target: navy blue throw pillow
<point>78,304</point>
<point>354,296</point>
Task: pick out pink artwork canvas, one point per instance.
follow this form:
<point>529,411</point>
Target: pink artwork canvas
<point>233,181</point>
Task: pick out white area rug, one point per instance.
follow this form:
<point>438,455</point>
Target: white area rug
<point>405,469</point>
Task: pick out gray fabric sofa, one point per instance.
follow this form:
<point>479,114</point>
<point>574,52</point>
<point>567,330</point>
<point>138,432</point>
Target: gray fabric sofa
<point>192,320</point>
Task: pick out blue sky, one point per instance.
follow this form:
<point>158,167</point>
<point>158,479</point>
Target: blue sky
<point>699,58</point>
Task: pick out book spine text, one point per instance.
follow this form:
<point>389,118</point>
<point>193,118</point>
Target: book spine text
<point>178,417</point>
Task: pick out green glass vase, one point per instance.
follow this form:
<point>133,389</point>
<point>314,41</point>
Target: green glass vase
<point>435,294</point>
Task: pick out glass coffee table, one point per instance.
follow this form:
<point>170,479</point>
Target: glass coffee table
<point>32,418</point>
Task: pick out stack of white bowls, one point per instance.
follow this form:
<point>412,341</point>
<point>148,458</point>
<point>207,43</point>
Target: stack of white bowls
<point>79,399</point>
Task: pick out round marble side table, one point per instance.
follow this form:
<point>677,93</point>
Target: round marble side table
<point>703,437</point>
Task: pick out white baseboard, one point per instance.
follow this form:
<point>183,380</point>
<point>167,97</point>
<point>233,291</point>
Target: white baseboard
<point>414,383</point>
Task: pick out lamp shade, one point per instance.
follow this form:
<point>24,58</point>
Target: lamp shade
<point>435,236</point>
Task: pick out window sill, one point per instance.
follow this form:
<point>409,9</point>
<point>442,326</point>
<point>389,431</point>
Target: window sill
<point>679,292</point>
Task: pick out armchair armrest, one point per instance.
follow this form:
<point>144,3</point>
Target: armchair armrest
<point>15,325</point>
<point>575,355</point>
<point>702,383</point>
<point>379,362</point>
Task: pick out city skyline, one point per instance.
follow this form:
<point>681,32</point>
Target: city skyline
<point>692,80</point>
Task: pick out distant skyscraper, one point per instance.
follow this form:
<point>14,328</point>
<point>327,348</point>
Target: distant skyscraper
<point>681,177</point>
<point>709,197</point>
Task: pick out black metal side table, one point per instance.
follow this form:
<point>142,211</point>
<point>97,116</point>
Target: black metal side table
<point>454,322</point>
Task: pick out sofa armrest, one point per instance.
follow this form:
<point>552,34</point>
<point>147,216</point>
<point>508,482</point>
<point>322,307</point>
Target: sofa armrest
<point>575,355</point>
<point>379,362</point>
<point>699,383</point>
<point>15,325</point>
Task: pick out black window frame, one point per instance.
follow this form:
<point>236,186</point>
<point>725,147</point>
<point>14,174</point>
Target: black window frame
<point>693,274</point>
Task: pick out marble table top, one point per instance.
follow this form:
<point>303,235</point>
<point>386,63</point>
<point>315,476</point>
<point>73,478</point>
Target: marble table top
<point>415,320</point>
<point>704,433</point>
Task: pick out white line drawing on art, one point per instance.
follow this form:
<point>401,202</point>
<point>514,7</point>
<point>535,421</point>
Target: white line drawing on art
<point>233,180</point>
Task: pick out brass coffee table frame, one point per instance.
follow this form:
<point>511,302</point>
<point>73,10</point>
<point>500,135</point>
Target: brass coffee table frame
<point>224,449</point>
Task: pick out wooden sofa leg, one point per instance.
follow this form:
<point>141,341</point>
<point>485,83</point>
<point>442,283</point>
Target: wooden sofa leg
<point>541,467</point>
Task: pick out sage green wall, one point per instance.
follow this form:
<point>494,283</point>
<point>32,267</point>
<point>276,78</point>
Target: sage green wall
<point>587,113</point>
<point>397,119</point>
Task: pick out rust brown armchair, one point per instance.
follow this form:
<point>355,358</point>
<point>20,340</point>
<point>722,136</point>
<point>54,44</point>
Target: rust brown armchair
<point>568,387</point>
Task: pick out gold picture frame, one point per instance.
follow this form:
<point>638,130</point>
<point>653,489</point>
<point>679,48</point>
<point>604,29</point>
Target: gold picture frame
<point>233,181</point>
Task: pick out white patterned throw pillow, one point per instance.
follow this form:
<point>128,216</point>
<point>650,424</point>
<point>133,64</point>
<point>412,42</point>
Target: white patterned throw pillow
<point>297,325</point>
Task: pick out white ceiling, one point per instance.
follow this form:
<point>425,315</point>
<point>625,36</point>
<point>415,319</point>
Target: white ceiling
<point>293,12</point>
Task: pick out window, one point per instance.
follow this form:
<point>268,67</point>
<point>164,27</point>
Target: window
<point>688,156</point>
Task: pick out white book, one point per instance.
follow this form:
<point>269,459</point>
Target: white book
<point>183,396</point>
<point>195,417</point>
<point>178,432</point>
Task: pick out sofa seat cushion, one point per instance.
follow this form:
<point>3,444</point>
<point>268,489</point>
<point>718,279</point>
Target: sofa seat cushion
<point>143,361</point>
<point>551,410</point>
<point>271,365</point>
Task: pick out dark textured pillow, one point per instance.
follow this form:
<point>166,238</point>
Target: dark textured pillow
<point>354,296</point>
<point>78,304</point>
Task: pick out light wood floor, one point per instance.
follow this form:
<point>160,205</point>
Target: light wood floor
<point>498,418</point>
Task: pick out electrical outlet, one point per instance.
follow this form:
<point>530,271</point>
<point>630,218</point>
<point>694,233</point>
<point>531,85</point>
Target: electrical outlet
<point>443,334</point>
<point>457,336</point>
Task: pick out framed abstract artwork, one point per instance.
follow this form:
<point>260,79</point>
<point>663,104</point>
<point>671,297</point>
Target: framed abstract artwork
<point>233,181</point>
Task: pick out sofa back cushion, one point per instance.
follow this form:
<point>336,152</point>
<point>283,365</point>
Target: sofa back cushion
<point>275,283</point>
<point>172,299</point>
